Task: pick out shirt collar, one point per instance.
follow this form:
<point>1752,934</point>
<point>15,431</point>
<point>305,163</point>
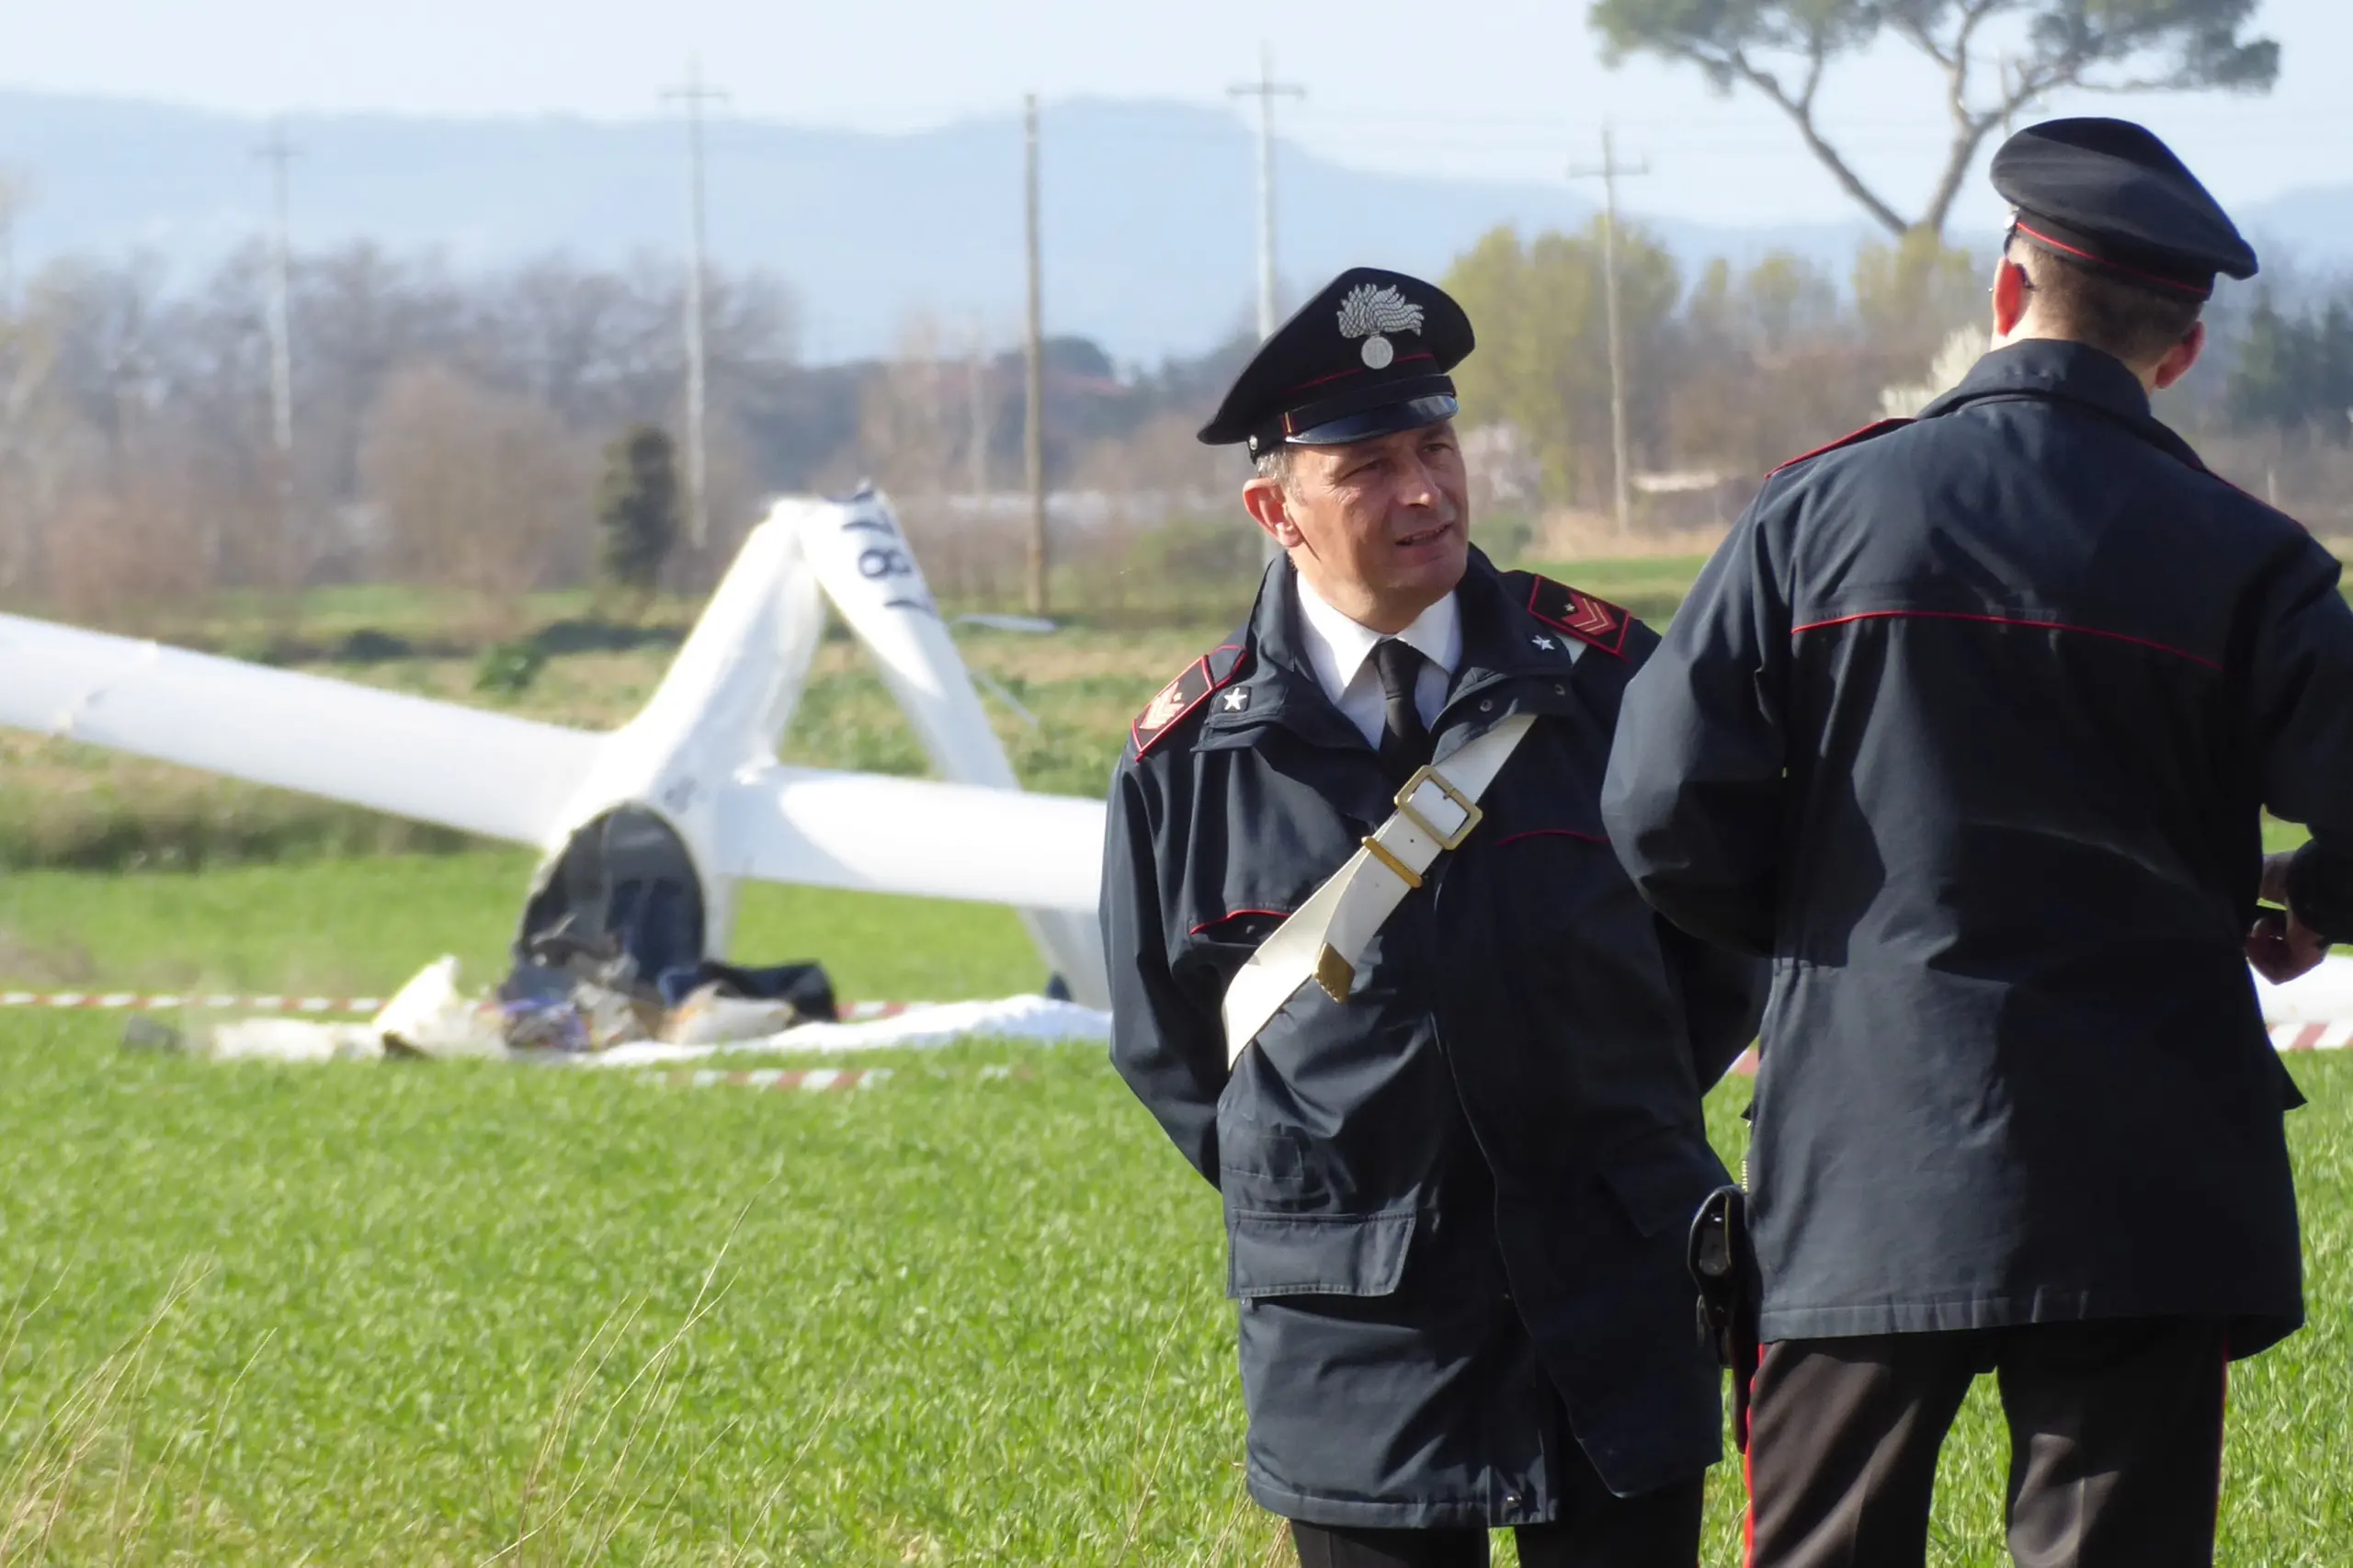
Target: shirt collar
<point>1337,646</point>
<point>2051,368</point>
<point>2054,368</point>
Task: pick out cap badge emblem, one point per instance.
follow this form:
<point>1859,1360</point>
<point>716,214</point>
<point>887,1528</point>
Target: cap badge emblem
<point>1372,311</point>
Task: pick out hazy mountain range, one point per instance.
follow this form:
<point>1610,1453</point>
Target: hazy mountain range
<point>1148,231</point>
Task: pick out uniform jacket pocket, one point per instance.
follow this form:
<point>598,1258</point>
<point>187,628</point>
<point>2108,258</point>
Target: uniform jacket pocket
<point>1316,1254</point>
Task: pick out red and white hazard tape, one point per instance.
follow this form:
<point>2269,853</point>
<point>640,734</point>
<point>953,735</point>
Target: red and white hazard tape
<point>862,1012</point>
<point>145,1002</point>
<point>139,1002</point>
<point>2313,1037</point>
<point>2335,1036</point>
<point>813,1079</point>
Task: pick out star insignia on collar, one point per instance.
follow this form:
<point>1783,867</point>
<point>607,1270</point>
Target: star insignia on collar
<point>1237,699</point>
<point>1544,642</point>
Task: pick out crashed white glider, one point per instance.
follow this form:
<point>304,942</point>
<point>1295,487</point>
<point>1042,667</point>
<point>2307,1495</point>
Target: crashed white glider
<point>656,822</point>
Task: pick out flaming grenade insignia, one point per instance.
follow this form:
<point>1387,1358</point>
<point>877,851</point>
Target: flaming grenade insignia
<point>1371,312</point>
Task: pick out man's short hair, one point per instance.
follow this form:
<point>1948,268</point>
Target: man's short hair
<point>1274,463</point>
<point>2138,325</point>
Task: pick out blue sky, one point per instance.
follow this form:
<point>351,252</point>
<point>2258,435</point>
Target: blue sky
<point>1500,89</point>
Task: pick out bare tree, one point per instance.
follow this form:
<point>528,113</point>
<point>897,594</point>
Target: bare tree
<point>1996,57</point>
<point>482,490</point>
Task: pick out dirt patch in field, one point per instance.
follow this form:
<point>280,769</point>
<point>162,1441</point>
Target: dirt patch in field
<point>63,965</point>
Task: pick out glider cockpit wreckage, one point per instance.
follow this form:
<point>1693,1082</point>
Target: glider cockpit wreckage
<point>647,830</point>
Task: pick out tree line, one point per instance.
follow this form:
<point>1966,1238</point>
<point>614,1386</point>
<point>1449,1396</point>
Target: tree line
<point>467,433</point>
<point>445,428</point>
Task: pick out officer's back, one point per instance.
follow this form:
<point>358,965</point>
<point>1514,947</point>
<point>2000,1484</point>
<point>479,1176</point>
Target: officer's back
<point>2018,622</point>
<point>1971,725</point>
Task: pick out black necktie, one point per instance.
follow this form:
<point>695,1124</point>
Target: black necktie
<point>1404,741</point>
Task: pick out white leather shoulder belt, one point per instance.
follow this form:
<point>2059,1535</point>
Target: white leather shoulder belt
<point>1327,938</point>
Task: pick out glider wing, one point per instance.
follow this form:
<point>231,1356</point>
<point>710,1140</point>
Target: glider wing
<point>436,762</point>
<point>912,835</point>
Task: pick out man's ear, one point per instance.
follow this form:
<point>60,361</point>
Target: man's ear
<point>2180,358</point>
<point>2010,293</point>
<point>1269,507</point>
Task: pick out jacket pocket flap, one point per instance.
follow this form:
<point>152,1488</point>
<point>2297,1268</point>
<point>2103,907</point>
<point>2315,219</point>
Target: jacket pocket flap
<point>1316,1254</point>
<point>1660,1182</point>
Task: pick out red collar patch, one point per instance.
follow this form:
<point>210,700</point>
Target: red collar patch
<point>1578,613</point>
<point>1181,696</point>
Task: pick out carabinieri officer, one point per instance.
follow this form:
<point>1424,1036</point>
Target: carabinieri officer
<point>1440,1061</point>
<point>1969,725</point>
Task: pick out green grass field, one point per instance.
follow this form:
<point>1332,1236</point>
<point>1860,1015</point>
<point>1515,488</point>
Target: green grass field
<point>453,1313</point>
<point>435,1314</point>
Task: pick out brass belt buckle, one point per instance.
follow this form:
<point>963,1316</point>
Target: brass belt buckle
<point>1471,814</point>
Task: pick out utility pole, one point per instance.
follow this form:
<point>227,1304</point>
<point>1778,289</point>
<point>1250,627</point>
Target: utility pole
<point>976,420</point>
<point>1608,172</point>
<point>1033,439</point>
<point>694,94</point>
<point>278,152</point>
<point>1266,90</point>
<point>12,196</point>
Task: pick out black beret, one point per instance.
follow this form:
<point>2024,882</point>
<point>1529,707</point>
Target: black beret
<point>1368,356</point>
<point>2108,193</point>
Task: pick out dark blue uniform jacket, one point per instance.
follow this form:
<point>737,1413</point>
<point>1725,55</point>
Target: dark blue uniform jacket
<point>1969,725</point>
<point>1469,1185</point>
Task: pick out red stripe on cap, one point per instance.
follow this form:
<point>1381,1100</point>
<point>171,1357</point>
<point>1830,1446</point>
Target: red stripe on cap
<point>2190,289</point>
<point>2007,620</point>
<point>1360,370</point>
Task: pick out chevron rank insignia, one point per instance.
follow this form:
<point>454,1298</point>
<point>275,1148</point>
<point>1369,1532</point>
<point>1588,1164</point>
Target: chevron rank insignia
<point>1203,676</point>
<point>1578,613</point>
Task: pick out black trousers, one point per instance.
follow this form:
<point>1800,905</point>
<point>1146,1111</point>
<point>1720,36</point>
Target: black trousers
<point>2116,1443</point>
<point>1657,1529</point>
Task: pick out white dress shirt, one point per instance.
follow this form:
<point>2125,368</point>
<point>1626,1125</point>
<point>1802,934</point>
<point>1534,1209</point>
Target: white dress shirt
<point>1340,652</point>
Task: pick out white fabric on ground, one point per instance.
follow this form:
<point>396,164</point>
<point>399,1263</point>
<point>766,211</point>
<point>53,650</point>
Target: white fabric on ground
<point>1037,1019</point>
<point>2323,996</point>
<point>291,1039</point>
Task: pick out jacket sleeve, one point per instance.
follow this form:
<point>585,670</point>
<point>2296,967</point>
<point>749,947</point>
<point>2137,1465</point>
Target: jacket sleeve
<point>2303,713</point>
<point>1165,1042</point>
<point>1693,798</point>
<point>1723,999</point>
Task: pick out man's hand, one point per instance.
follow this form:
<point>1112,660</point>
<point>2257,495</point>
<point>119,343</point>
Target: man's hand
<point>2282,947</point>
<point>2274,878</point>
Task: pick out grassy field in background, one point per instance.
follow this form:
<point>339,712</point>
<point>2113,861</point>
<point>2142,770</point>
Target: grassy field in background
<point>80,807</point>
<point>451,1312</point>
<point>358,926</point>
<point>426,1314</point>
<point>85,808</point>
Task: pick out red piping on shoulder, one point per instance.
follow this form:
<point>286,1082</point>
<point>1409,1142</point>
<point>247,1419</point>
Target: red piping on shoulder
<point>2008,620</point>
<point>1594,618</point>
<point>1877,427</point>
<point>1211,684</point>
